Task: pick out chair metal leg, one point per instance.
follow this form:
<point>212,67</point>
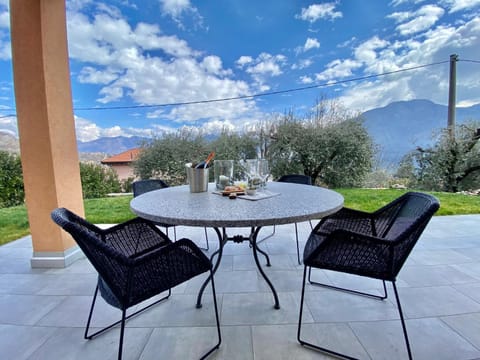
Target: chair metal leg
<point>378,297</point>
<point>298,247</point>
<point>217,346</point>
<point>404,327</point>
<point>268,236</point>
<point>304,343</point>
<point>122,333</point>
<point>91,336</point>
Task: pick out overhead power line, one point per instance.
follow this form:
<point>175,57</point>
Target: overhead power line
<point>253,96</point>
<point>243,97</point>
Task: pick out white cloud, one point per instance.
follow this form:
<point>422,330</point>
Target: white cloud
<point>267,64</point>
<point>435,45</point>
<point>121,58</point>
<point>91,75</point>
<point>264,67</point>
<point>302,64</point>
<point>9,124</point>
<point>401,2</point>
<point>87,130</point>
<point>459,5</point>
<point>175,8</point>
<point>110,93</point>
<point>311,43</point>
<point>306,79</point>
<point>319,11</point>
<point>422,19</point>
<point>243,60</point>
<point>339,69</point>
<point>4,18</point>
<point>367,51</point>
<point>179,9</point>
<point>5,46</point>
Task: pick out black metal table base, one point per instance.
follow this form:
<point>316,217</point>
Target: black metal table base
<point>223,238</point>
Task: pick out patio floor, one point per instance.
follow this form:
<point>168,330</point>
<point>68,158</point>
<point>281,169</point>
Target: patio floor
<point>43,311</point>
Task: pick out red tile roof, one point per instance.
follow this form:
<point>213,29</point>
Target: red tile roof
<point>124,157</point>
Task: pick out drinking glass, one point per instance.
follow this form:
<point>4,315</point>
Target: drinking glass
<point>251,167</point>
<point>263,172</point>
<point>223,173</point>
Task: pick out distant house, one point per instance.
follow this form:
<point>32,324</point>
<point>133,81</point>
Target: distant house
<point>122,163</point>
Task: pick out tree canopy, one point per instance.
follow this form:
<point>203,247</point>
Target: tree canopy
<point>330,145</point>
<point>451,164</point>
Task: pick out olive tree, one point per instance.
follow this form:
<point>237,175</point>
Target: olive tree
<point>237,147</point>
<point>451,164</point>
<point>166,157</point>
<point>331,146</point>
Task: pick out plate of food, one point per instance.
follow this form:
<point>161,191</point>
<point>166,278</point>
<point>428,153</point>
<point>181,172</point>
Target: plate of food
<point>233,189</point>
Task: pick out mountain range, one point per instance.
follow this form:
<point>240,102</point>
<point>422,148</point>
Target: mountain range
<point>403,125</point>
<point>396,128</point>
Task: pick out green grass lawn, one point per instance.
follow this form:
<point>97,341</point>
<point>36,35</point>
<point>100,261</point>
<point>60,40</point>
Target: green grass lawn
<point>14,222</point>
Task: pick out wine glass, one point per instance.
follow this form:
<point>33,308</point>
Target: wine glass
<point>263,171</point>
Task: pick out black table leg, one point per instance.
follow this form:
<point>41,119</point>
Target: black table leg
<point>221,241</point>
<point>255,255</point>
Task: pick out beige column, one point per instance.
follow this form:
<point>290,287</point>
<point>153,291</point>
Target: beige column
<point>46,126</point>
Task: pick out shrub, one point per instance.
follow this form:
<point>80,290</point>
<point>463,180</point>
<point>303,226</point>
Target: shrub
<point>11,180</point>
<point>98,180</point>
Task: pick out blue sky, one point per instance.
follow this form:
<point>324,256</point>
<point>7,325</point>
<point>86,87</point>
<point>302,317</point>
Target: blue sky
<point>126,53</point>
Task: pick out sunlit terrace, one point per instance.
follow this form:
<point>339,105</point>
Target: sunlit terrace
<point>44,311</point>
<point>46,289</point>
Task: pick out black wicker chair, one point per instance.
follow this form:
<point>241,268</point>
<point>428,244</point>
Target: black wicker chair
<point>140,187</point>
<point>374,245</point>
<point>296,179</point>
<point>135,262</point>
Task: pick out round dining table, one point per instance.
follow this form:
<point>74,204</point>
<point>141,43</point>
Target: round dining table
<point>279,203</point>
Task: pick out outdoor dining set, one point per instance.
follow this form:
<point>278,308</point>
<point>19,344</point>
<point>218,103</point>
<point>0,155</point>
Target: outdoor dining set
<point>137,261</point>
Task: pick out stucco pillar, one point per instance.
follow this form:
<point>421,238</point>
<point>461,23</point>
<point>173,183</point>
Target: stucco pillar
<point>46,125</point>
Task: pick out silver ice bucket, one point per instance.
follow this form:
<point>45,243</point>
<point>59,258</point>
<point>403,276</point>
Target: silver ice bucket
<point>197,178</point>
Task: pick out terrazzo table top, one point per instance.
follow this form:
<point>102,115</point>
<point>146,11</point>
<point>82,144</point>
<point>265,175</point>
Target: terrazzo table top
<point>294,203</point>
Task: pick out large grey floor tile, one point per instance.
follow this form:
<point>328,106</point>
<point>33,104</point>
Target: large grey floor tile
<point>19,342</point>
<point>69,344</point>
<point>471,269</point>
<point>337,337</point>
<point>467,325</point>
<point>336,306</point>
<point>26,309</point>
<point>435,301</point>
<point>180,342</point>
<point>429,338</point>
<point>439,257</point>
<point>73,312</point>
<point>437,275</point>
<point>178,310</point>
<point>257,308</point>
<point>472,290</point>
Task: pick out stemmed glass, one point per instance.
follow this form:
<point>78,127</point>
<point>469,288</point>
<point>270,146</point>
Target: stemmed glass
<point>263,172</point>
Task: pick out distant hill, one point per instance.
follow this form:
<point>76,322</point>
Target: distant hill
<point>402,126</point>
<point>111,145</point>
<point>9,142</point>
